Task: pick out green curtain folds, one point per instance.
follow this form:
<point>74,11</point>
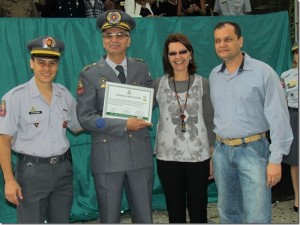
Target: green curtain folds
<point>266,37</point>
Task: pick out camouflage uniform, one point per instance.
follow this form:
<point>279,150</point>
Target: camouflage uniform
<point>18,8</point>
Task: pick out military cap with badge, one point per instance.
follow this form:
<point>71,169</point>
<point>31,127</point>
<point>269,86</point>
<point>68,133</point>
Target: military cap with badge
<point>46,46</point>
<point>115,18</point>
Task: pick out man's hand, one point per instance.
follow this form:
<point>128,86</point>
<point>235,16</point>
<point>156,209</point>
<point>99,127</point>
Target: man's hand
<point>136,124</point>
<point>13,192</point>
<point>273,174</point>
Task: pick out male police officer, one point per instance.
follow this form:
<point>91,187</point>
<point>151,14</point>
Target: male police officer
<point>121,151</point>
<point>33,121</point>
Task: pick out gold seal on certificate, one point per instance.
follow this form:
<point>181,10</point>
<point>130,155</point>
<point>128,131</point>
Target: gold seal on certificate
<point>124,101</point>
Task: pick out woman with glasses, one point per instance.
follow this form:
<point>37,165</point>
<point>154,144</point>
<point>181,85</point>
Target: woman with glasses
<point>184,132</point>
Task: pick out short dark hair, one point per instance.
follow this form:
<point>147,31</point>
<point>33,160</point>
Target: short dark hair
<point>237,28</point>
<point>177,37</point>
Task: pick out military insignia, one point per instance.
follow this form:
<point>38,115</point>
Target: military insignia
<point>137,59</point>
<point>34,111</point>
<point>65,123</point>
<point>102,82</point>
<point>36,124</point>
<point>292,84</point>
<point>80,87</point>
<point>48,42</point>
<point>113,17</point>
<point>89,66</point>
<point>100,123</point>
<point>2,108</point>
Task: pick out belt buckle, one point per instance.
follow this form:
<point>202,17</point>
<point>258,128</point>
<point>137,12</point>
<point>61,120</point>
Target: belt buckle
<point>53,160</point>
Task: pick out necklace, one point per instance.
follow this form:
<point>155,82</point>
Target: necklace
<point>182,107</point>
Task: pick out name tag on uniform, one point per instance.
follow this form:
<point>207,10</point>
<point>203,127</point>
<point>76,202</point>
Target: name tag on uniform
<point>35,112</point>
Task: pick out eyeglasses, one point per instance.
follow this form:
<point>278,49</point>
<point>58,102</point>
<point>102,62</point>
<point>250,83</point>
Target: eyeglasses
<point>182,52</point>
<point>119,35</point>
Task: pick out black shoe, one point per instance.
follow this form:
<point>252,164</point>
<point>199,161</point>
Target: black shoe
<point>295,208</point>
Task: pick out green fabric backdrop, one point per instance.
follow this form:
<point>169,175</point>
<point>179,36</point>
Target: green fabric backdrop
<point>266,37</point>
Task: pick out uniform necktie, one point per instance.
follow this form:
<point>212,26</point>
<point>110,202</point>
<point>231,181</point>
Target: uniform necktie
<point>121,75</point>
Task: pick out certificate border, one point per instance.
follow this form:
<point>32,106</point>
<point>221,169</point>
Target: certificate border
<point>131,87</point>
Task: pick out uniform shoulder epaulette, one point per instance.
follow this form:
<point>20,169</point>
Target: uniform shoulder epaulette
<point>89,66</point>
<point>137,59</point>
<point>16,89</point>
<point>62,87</point>
<point>286,73</point>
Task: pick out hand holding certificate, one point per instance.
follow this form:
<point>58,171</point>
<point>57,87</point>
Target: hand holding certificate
<point>124,101</point>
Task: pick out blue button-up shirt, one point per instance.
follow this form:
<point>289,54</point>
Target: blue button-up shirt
<point>251,101</point>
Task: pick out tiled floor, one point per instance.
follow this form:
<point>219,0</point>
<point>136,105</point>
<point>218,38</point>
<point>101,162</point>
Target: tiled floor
<point>283,213</point>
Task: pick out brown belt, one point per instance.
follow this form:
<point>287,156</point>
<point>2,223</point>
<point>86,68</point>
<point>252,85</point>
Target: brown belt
<point>240,141</point>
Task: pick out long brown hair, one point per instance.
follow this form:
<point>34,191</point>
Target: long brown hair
<point>178,37</point>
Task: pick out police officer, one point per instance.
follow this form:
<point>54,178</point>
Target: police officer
<point>121,152</point>
<point>290,82</point>
<point>18,8</point>
<point>34,117</point>
<point>232,7</point>
<point>64,8</point>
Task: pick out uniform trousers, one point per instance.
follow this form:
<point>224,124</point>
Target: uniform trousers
<point>47,192</point>
<point>185,186</point>
<point>138,186</point>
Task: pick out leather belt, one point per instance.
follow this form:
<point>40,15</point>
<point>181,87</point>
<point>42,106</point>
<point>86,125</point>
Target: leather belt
<point>291,109</point>
<point>46,160</point>
<point>240,141</point>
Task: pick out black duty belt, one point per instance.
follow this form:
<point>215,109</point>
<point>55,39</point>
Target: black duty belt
<point>46,160</point>
<point>291,109</point>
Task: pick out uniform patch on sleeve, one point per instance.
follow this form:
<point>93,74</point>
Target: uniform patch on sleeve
<point>100,123</point>
<point>282,82</point>
<point>80,87</point>
<point>2,108</point>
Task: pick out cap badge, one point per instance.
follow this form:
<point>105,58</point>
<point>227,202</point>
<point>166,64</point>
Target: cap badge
<point>114,17</point>
<point>49,42</point>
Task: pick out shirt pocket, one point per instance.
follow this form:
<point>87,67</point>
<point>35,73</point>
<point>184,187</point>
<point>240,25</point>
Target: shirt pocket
<point>64,114</point>
<point>34,118</point>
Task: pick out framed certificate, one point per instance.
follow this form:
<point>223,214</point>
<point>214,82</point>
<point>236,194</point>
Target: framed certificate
<point>124,101</point>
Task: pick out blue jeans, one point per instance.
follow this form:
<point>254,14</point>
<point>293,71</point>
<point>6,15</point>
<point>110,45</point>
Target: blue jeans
<point>240,176</point>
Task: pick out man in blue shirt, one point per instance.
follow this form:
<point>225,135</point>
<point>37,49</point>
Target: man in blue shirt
<point>248,100</point>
